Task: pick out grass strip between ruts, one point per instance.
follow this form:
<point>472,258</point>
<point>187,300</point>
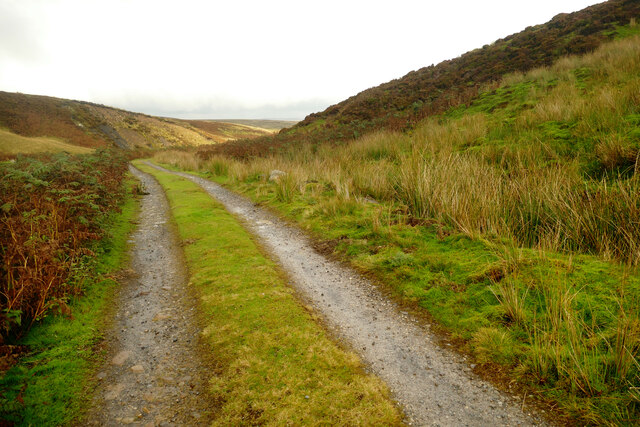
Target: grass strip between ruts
<point>275,364</point>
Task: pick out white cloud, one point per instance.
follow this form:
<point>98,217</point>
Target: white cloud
<point>243,57</point>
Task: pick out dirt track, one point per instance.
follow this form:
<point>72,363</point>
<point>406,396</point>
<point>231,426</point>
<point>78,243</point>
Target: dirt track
<point>154,374</point>
<point>433,385</point>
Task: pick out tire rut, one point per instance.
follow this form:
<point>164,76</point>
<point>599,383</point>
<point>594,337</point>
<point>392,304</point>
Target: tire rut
<point>434,386</point>
<point>154,375</point>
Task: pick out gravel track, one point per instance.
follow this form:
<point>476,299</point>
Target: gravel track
<point>434,386</point>
<point>154,375</point>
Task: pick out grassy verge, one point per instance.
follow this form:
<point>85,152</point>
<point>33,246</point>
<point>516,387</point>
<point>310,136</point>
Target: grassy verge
<point>51,385</point>
<point>275,364</point>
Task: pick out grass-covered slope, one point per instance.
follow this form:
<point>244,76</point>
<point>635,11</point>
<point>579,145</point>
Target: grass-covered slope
<point>434,88</point>
<point>513,221</point>
<point>12,144</point>
<point>401,103</point>
<point>227,131</point>
<point>84,124</point>
<point>40,116</point>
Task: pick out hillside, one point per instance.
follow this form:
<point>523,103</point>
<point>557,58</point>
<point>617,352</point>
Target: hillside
<point>436,88</point>
<point>12,144</point>
<point>401,103</point>
<point>88,125</point>
<point>512,221</point>
<point>274,125</point>
<point>224,131</point>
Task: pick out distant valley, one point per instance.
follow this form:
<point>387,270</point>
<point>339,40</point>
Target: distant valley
<point>32,124</point>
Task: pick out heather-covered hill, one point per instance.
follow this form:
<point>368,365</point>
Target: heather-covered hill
<point>400,104</point>
<point>436,88</point>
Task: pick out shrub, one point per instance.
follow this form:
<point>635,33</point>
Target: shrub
<point>51,208</point>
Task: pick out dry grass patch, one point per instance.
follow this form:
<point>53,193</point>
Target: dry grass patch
<point>13,144</point>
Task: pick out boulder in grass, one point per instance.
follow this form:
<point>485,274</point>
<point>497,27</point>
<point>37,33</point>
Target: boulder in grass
<point>276,174</point>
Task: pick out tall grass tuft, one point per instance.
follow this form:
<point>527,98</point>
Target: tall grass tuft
<point>286,187</point>
<point>217,166</point>
<point>182,159</point>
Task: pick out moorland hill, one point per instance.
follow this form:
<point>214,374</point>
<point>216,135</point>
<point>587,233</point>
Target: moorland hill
<point>402,103</point>
<point>31,123</point>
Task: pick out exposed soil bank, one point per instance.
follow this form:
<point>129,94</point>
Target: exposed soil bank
<point>435,386</point>
<point>154,374</point>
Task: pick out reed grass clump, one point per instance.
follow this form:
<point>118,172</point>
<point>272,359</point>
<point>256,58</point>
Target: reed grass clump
<point>286,187</point>
<point>178,158</point>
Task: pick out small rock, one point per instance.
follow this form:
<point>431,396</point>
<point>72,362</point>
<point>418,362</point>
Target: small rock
<point>276,174</point>
<point>371,200</point>
<point>101,376</point>
<point>128,420</point>
<point>166,379</point>
<point>161,316</point>
<point>137,369</point>
<point>113,391</point>
<point>120,358</point>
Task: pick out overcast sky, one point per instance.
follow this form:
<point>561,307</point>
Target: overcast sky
<point>241,59</point>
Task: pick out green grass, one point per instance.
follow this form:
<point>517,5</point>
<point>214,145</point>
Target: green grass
<point>623,31</point>
<point>52,384</point>
<point>275,364</point>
